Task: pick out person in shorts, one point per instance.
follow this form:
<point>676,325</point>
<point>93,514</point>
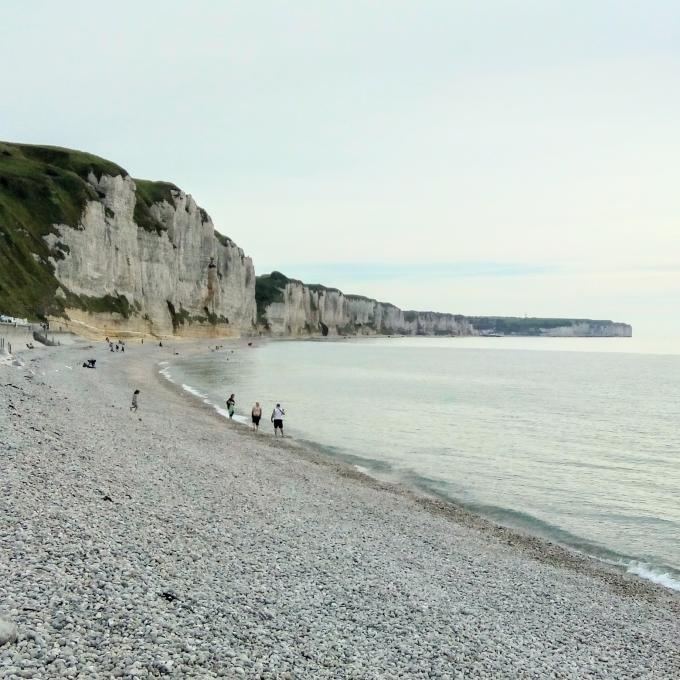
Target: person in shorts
<point>231,406</point>
<point>277,419</point>
<point>256,414</point>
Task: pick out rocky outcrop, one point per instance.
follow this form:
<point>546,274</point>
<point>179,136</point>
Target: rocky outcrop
<point>172,274</point>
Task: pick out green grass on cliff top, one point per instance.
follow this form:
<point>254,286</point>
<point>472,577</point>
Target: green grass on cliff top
<point>149,193</point>
<point>41,186</point>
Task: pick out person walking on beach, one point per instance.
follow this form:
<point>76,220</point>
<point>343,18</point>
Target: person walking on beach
<point>277,419</point>
<point>256,414</point>
<point>231,404</point>
<point>134,401</point>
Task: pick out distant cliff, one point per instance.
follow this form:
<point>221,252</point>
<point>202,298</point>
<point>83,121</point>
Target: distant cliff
<point>96,251</point>
<point>288,307</point>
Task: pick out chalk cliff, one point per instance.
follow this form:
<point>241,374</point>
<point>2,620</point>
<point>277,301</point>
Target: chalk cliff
<point>180,278</point>
<point>288,307</point>
<point>98,252</point>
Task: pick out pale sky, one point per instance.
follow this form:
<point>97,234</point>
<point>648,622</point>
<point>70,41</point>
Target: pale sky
<point>481,157</point>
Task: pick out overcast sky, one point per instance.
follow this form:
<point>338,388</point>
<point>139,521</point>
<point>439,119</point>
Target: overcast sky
<point>481,157</point>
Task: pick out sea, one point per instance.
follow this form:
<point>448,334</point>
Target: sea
<point>576,440</point>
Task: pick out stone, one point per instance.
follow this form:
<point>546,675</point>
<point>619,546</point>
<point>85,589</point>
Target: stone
<point>8,632</point>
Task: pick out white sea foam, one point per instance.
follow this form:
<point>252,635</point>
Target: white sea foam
<point>194,391</point>
<point>166,375</point>
<point>242,420</point>
<point>654,575</point>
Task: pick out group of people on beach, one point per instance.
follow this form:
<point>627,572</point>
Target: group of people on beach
<point>256,414</point>
<point>118,346</point>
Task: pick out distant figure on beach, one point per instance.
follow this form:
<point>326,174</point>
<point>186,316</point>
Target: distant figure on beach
<point>231,403</point>
<point>160,344</point>
<point>107,339</point>
<point>277,419</point>
<point>111,346</point>
<point>134,400</point>
<point>117,348</point>
<point>256,414</point>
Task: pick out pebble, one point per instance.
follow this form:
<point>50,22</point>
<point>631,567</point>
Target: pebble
<point>8,631</point>
<point>223,555</point>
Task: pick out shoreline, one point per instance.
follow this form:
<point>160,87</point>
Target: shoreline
<point>171,542</point>
<point>534,545</point>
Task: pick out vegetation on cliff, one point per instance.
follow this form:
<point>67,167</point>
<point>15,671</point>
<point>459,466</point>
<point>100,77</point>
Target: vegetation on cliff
<point>269,289</point>
<point>44,186</point>
<point>515,325</point>
<point>149,193</point>
<point>40,186</point>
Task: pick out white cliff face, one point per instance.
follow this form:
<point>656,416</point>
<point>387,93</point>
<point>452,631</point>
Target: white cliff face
<point>210,285</point>
<point>310,311</point>
<point>590,329</point>
<point>306,312</point>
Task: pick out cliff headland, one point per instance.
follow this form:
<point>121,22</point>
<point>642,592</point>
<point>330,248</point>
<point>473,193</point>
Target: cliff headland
<point>88,248</point>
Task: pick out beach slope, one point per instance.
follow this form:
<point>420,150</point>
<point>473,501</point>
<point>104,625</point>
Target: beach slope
<point>171,542</point>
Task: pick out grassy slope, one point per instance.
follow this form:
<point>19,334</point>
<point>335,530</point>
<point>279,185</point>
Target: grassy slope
<point>268,289</point>
<point>41,186</point>
<point>149,193</point>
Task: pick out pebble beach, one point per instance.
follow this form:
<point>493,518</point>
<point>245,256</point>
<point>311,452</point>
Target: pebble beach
<point>171,542</point>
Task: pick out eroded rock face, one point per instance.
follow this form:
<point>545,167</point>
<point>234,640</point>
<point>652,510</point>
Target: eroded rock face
<point>308,310</point>
<point>180,280</point>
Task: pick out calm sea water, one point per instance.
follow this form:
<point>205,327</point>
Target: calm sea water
<point>582,447</point>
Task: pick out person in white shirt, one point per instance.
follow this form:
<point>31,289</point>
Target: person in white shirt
<point>277,419</point>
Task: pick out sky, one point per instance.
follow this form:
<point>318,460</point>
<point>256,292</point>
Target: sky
<point>497,157</point>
